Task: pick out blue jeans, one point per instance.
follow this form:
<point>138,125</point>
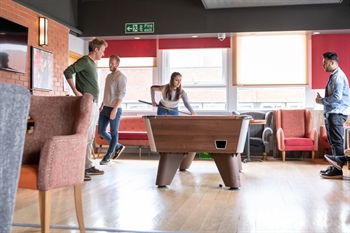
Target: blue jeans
<point>162,111</point>
<point>111,137</point>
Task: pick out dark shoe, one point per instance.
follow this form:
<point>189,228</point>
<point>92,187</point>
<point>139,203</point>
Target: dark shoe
<point>327,170</point>
<point>87,178</point>
<point>118,151</point>
<point>104,161</point>
<point>93,171</point>
<point>334,173</point>
<point>335,161</point>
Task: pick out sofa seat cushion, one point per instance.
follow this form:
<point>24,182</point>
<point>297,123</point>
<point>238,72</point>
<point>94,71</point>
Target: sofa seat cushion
<point>298,142</point>
<point>28,176</point>
<point>132,135</point>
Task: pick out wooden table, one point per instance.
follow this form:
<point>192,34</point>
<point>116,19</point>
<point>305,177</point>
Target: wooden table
<point>223,137</point>
<point>247,144</point>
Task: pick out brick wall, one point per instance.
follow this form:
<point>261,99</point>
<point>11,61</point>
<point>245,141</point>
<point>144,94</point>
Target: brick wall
<point>58,45</point>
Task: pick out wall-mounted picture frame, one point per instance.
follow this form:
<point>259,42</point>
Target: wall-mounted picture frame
<point>41,69</point>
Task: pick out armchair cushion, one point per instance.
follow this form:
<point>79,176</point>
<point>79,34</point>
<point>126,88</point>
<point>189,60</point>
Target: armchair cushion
<point>29,177</point>
<point>294,123</point>
<point>256,145</point>
<point>298,142</point>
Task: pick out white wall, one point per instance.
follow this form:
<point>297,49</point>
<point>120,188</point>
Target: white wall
<point>77,45</point>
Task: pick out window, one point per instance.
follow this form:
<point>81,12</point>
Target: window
<point>271,98</point>
<point>263,61</point>
<point>139,73</point>
<point>204,76</point>
<point>271,60</point>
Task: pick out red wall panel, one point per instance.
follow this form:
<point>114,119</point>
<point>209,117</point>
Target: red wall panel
<point>338,43</point>
<point>132,48</point>
<point>191,43</point>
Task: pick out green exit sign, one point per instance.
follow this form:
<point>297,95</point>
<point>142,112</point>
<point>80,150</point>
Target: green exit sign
<point>139,28</point>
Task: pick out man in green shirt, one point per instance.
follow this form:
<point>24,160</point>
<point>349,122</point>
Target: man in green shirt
<point>86,80</point>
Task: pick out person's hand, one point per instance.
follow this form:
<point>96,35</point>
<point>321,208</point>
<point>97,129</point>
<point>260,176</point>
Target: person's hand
<point>113,114</point>
<point>154,104</point>
<point>318,98</point>
<point>78,93</point>
<point>193,113</point>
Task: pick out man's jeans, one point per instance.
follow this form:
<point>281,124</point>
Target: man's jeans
<point>335,132</point>
<point>111,137</point>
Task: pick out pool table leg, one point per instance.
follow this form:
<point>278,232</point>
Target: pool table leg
<point>187,161</point>
<point>228,166</point>
<point>167,167</point>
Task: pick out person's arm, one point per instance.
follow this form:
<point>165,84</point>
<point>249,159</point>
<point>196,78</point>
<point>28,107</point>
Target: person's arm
<point>121,91</point>
<point>76,67</point>
<point>101,107</point>
<point>187,103</point>
<point>155,88</point>
<point>71,84</point>
<point>337,87</point>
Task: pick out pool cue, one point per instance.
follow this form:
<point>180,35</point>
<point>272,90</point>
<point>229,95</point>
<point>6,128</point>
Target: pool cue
<point>141,101</point>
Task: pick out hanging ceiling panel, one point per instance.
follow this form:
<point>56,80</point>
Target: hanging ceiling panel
<point>218,4</point>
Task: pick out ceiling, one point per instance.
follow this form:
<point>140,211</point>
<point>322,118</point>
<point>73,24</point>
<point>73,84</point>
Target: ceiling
<point>219,4</point>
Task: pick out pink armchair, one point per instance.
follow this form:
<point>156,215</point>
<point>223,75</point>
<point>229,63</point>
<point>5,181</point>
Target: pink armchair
<point>294,131</point>
<point>54,154</point>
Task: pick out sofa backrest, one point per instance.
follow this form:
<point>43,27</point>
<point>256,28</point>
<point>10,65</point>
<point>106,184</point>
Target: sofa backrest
<point>132,123</point>
<point>294,122</point>
<point>54,115</point>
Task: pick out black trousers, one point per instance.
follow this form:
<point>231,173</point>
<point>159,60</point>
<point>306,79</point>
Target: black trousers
<point>335,132</point>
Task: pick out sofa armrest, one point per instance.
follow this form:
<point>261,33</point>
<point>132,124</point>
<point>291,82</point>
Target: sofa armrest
<point>57,160</point>
<point>280,139</point>
<point>314,136</point>
<point>266,135</point>
<point>266,138</point>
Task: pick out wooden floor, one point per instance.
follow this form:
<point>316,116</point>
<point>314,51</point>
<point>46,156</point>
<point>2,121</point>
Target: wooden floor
<point>274,197</point>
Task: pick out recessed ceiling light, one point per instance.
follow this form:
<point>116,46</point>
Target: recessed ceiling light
<point>315,33</point>
<point>136,38</point>
<point>194,36</point>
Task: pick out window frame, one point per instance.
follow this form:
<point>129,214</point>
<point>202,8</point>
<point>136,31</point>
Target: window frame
<point>165,71</point>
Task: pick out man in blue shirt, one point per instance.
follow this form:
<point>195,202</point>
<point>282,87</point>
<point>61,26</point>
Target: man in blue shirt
<point>336,110</point>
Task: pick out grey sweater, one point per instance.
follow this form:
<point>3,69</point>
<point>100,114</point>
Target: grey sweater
<point>115,88</point>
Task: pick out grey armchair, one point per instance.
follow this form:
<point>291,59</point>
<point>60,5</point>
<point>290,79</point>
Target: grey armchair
<point>261,136</point>
<point>14,108</point>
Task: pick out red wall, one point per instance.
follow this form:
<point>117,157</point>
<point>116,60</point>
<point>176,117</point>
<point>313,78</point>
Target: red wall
<point>132,48</point>
<point>339,43</point>
<point>58,45</point>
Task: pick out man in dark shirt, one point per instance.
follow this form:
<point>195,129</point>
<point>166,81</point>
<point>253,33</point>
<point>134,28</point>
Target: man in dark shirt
<point>86,80</point>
